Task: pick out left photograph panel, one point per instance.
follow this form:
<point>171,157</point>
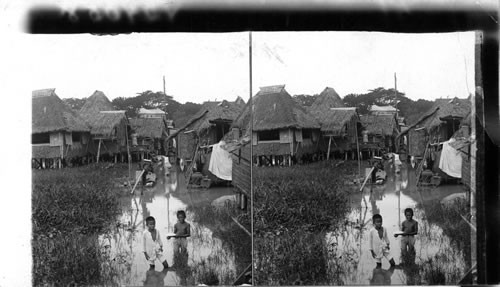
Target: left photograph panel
<point>141,160</point>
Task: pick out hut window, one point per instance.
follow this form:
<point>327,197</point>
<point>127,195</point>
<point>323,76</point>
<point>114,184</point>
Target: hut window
<point>76,137</point>
<point>306,134</point>
<point>271,135</point>
<point>40,138</point>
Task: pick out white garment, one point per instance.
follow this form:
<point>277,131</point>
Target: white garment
<point>221,163</point>
<point>166,164</point>
<point>379,245</point>
<point>153,247</point>
<point>450,161</point>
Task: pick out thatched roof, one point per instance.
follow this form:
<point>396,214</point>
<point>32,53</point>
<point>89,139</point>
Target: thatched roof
<point>375,109</point>
<point>50,114</point>
<point>274,108</point>
<point>242,121</point>
<point>334,120</point>
<point>104,122</point>
<point>224,111</point>
<point>379,124</point>
<point>239,101</point>
<point>442,109</point>
<point>96,103</point>
<point>149,127</point>
<point>466,121</point>
<point>156,111</point>
<point>326,100</point>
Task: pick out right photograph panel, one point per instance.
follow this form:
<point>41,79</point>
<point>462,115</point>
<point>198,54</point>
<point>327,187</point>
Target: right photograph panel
<point>361,158</point>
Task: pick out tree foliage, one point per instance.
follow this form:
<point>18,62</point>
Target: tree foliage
<point>408,108</point>
<point>157,100</point>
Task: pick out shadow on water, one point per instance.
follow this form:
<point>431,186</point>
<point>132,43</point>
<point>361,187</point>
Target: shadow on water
<point>437,260</point>
<point>207,258</point>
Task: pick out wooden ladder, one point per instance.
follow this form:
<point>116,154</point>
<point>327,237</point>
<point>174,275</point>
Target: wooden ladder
<point>190,167</point>
<point>420,167</point>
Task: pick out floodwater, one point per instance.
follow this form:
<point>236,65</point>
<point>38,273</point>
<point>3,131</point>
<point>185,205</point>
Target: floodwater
<point>207,253</point>
<point>390,199</point>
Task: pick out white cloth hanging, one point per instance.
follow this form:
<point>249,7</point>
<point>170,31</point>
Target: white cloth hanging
<point>450,161</point>
<point>221,163</point>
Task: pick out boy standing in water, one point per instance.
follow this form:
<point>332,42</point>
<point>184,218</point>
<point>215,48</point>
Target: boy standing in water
<point>409,227</point>
<point>152,244</point>
<point>379,242</point>
<point>182,231</point>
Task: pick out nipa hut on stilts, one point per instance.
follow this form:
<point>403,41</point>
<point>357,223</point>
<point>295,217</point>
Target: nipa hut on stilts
<point>59,136</point>
<point>207,127</point>
<point>426,136</point>
<point>109,128</point>
<point>339,124</point>
<point>238,145</point>
<point>436,126</point>
<point>379,133</point>
<point>149,132</point>
<point>282,131</point>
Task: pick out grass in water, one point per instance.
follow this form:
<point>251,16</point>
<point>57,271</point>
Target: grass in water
<point>294,209</point>
<point>70,208</point>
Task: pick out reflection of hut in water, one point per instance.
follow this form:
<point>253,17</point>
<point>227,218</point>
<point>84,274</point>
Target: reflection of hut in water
<point>59,136</point>
<point>282,129</point>
<point>109,128</point>
<point>379,132</point>
<point>206,127</point>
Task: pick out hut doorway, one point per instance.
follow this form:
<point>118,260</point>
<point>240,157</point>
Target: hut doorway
<point>221,128</point>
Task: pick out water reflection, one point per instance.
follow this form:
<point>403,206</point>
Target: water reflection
<point>204,247</point>
<point>155,278</point>
<point>432,245</point>
<point>382,276</point>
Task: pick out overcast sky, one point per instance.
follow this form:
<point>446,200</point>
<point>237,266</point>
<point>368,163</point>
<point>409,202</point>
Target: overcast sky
<point>201,67</point>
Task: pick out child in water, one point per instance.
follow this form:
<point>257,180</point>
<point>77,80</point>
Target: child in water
<point>182,231</point>
<point>152,244</point>
<point>409,227</point>
<point>379,242</point>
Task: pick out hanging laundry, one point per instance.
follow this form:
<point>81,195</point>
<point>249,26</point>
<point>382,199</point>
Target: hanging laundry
<point>221,163</point>
<point>450,161</point>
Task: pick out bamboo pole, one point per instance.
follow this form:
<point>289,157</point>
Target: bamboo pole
<point>251,146</point>
<point>357,147</point>
<point>329,144</point>
<point>137,181</point>
<point>366,179</point>
<point>98,150</point>
<point>128,154</point>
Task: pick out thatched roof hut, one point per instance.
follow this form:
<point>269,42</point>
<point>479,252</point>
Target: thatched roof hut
<point>384,125</point>
<point>384,110</point>
<point>326,100</point>
<point>239,101</point>
<point>151,113</point>
<point>443,109</point>
<point>438,124</point>
<point>213,112</point>
<point>274,108</point>
<point>96,103</point>
<point>50,114</point>
<point>154,128</point>
<point>105,122</point>
<point>333,121</point>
